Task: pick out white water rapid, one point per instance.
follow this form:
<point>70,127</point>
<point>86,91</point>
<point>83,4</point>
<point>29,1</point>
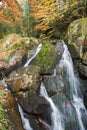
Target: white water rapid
<point>56,117</point>
<point>66,62</point>
<point>36,52</point>
<point>25,121</point>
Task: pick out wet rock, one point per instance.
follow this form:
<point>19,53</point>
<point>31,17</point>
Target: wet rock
<point>33,120</point>
<point>73,51</point>
<point>9,115</point>
<point>51,84</point>
<point>34,104</point>
<point>37,123</point>
<point>44,125</point>
<point>58,51</point>
<point>84,59</point>
<point>83,71</point>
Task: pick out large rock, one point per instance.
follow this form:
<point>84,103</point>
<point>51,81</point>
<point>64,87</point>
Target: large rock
<point>49,56</point>
<point>77,42</point>
<point>15,61</point>
<point>24,79</point>
<point>9,115</point>
<point>24,83</point>
<point>14,51</point>
<point>34,103</point>
<point>77,31</point>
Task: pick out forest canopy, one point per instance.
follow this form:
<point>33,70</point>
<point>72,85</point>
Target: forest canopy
<point>29,16</point>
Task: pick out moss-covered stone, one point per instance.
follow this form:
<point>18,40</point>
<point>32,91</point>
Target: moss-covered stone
<point>13,42</point>
<point>77,32</point>
<point>45,58</point>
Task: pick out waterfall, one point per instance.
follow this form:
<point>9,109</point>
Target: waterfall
<point>56,117</point>
<point>34,55</point>
<point>66,62</point>
<point>25,121</point>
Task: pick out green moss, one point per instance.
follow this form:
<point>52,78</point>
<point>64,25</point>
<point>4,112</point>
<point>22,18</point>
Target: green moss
<point>45,58</point>
<point>3,119</point>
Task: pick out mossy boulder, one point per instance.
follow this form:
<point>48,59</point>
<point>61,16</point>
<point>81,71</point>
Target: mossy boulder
<point>14,51</point>
<point>49,56</point>
<point>77,43</point>
<point>76,34</point>
<point>13,42</point>
<point>9,115</point>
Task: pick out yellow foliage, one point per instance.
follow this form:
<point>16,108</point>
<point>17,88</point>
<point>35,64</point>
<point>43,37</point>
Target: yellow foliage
<point>45,12</point>
<point>14,16</point>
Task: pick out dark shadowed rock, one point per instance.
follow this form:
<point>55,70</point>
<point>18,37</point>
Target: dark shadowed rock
<point>73,51</point>
<point>32,102</point>
<point>84,58</point>
<point>83,71</point>
<point>35,104</point>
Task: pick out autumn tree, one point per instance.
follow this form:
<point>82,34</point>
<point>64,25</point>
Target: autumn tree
<point>44,12</point>
<point>47,13</point>
<point>10,17</point>
<point>10,12</point>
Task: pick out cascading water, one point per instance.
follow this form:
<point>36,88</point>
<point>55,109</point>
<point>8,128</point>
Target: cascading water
<point>24,120</point>
<point>66,62</point>
<point>36,52</point>
<point>56,117</point>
